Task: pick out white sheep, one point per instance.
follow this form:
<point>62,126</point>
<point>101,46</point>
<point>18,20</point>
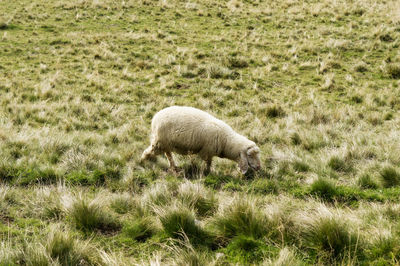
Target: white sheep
<point>187,130</point>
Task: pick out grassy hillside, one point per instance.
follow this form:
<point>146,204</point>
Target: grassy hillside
<point>315,84</point>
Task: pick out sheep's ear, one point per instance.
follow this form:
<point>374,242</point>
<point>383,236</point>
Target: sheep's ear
<point>243,163</point>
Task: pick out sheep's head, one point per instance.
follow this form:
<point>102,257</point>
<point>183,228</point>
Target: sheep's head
<point>250,157</point>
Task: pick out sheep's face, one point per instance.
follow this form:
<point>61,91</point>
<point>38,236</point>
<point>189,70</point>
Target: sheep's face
<point>253,157</point>
<point>250,157</point>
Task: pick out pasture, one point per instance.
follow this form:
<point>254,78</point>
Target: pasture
<point>316,84</point>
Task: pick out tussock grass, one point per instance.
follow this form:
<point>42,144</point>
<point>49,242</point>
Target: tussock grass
<point>385,248</point>
<point>286,257</point>
<point>180,222</point>
<point>185,253</point>
<point>339,164</point>
<point>366,181</point>
<point>393,70</point>
<point>219,72</point>
<point>301,166</point>
<point>160,194</point>
<point>90,216</point>
<point>274,112</point>
<point>8,255</point>
<point>247,250</point>
<point>122,204</point>
<point>331,237</point>
<point>324,188</point>
<point>240,217</point>
<point>63,248</point>
<point>197,197</point>
<point>390,177</point>
<point>264,186</point>
<point>139,229</point>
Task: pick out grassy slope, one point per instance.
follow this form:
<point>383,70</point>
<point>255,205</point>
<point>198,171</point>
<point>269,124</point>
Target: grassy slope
<point>315,84</point>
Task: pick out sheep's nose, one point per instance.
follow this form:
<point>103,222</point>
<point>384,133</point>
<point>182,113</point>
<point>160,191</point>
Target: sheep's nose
<point>257,168</point>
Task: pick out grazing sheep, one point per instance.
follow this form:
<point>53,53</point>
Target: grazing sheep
<point>187,130</point>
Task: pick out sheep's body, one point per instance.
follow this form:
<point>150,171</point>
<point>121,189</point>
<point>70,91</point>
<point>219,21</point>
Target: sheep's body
<point>187,130</point>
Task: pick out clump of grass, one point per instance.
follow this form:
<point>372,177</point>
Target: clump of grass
<point>219,72</point>
<point>92,216</point>
<point>286,257</point>
<point>300,166</point>
<point>37,175</point>
<point>197,197</point>
<point>357,99</point>
<point>390,177</point>
<point>5,25</point>
<point>319,117</point>
<point>53,208</point>
<point>36,254</point>
<point>122,204</point>
<point>186,254</point>
<point>295,138</point>
<point>375,119</point>
<point>274,111</point>
<point>160,194</point>
<point>366,181</point>
<point>241,217</point>
<point>329,235</point>
<point>264,186</point>
<point>79,177</point>
<point>247,250</point>
<point>139,229</point>
<point>192,257</point>
<point>324,189</point>
<point>386,37</point>
<point>338,164</point>
<point>361,67</point>
<point>9,255</point>
<point>384,249</point>
<point>140,180</point>
<point>237,62</point>
<point>179,221</point>
<point>216,181</point>
<point>388,116</point>
<point>232,186</point>
<point>392,212</point>
<point>66,250</point>
<point>8,171</point>
<point>393,70</point>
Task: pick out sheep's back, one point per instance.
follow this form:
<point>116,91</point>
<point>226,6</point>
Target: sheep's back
<point>187,130</point>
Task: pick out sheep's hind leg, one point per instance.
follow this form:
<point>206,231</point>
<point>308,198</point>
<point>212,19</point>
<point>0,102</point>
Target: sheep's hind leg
<point>172,165</point>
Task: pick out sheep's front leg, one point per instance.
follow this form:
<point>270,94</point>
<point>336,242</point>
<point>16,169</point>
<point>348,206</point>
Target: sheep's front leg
<point>172,165</point>
<point>148,154</point>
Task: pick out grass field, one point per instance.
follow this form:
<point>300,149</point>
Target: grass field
<point>316,84</point>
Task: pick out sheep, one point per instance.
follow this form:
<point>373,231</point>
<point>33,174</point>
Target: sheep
<point>187,130</point>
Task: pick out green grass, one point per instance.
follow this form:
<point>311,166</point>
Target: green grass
<point>241,218</point>
<point>139,229</point>
<point>181,223</point>
<point>314,84</point>
<point>332,236</point>
<point>246,250</point>
<point>390,177</point>
<point>90,216</point>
